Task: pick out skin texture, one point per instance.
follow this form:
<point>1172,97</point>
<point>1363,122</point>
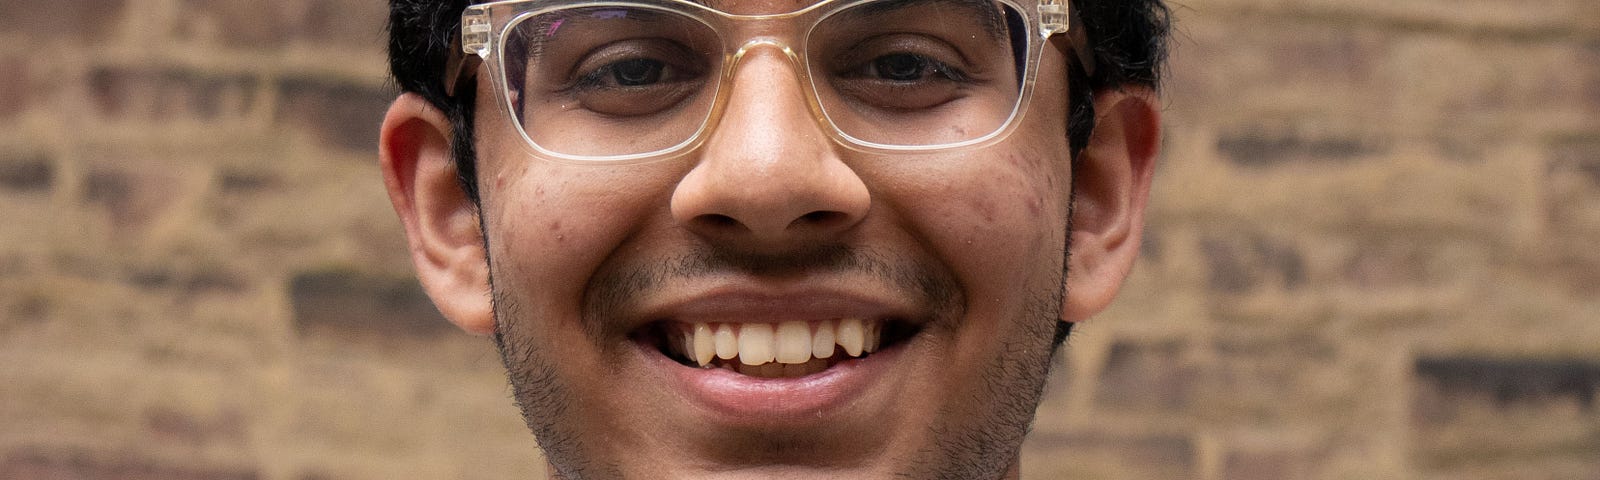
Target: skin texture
<point>561,262</point>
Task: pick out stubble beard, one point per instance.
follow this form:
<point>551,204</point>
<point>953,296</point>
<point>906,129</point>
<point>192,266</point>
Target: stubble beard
<point>983,442</point>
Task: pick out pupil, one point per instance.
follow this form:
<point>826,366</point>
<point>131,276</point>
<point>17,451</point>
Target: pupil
<point>900,67</point>
<point>633,73</point>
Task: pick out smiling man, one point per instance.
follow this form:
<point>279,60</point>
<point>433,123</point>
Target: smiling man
<point>774,238</point>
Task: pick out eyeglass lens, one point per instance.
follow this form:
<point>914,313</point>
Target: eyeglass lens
<point>644,77</point>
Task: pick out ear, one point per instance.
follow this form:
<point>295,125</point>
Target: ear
<point>1112,187</point>
<point>441,222</point>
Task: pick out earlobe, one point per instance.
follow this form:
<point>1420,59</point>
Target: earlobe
<point>1111,185</point>
<point>441,223</point>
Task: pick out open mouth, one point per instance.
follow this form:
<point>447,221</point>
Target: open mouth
<point>788,349</point>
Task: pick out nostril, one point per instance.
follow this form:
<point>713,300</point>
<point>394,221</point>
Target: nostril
<point>815,219</point>
<point>718,220</point>
<point>821,218</point>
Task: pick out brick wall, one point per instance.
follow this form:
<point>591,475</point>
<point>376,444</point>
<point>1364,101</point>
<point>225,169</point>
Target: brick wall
<point>1370,255</point>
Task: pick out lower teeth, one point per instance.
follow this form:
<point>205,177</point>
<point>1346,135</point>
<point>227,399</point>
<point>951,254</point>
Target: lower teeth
<point>779,370</point>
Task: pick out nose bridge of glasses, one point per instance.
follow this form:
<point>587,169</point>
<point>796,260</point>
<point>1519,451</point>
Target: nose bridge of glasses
<point>764,69</point>
<point>761,43</point>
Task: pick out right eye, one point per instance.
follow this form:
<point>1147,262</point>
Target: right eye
<point>637,77</point>
<point>635,72</point>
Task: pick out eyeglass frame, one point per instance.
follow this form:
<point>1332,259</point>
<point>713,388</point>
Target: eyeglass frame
<point>479,41</point>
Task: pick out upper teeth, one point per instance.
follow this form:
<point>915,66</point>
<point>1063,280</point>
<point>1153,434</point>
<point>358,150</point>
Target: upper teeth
<point>789,343</point>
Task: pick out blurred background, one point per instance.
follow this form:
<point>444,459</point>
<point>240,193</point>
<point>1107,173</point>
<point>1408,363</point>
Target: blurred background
<point>1371,254</point>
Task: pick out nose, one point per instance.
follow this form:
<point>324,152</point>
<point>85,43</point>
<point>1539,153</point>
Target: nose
<point>768,177</point>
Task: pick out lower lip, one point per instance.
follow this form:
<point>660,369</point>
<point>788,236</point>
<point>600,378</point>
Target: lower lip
<point>743,398</point>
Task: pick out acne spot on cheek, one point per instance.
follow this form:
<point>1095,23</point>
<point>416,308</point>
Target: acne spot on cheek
<point>984,208</point>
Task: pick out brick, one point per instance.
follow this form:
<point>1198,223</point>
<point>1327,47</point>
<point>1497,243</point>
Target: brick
<point>1572,178</point>
<point>1095,454</point>
<point>63,21</point>
<point>1570,191</point>
<point>330,24</point>
<point>1153,376</point>
<point>1236,76</point>
<point>188,281</point>
<point>131,198</point>
<point>40,464</point>
<point>343,406</point>
<point>1475,411</point>
<point>1150,248</point>
<point>1259,146</point>
<point>1591,56</point>
<point>173,426</point>
<point>29,308</point>
<point>1261,375</point>
<point>1535,20</point>
<point>22,311</point>
<point>1571,266</point>
<point>1386,262</point>
<point>363,306</point>
<point>1492,87</point>
<point>1265,465</point>
<point>1239,263</point>
<point>155,93</point>
<point>247,182</point>
<point>1506,382</point>
<point>346,24</point>
<point>107,187</point>
<point>1578,157</point>
<point>240,23</point>
<point>341,114</point>
<point>26,173</point>
<point>14,86</point>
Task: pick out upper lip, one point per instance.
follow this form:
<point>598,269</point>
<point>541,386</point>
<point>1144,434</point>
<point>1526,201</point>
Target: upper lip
<point>747,303</point>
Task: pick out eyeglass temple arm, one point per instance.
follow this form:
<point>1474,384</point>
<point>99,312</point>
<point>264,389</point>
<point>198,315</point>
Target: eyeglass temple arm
<point>1058,16</point>
<point>459,68</point>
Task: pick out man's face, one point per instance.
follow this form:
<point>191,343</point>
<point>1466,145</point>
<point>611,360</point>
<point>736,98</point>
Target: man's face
<point>773,303</point>
<point>602,273</point>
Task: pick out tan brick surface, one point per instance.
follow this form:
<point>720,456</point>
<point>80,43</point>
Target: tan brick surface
<point>1371,254</point>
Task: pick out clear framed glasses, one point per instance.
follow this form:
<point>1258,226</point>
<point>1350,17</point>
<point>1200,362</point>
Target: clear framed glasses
<point>634,80</point>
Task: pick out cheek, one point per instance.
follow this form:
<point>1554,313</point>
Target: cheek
<point>1009,203</point>
<point>545,236</point>
<point>998,223</point>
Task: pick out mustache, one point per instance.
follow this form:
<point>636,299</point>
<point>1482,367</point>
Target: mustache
<point>613,288</point>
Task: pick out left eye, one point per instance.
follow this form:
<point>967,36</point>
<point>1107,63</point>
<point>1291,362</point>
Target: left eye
<point>637,72</point>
